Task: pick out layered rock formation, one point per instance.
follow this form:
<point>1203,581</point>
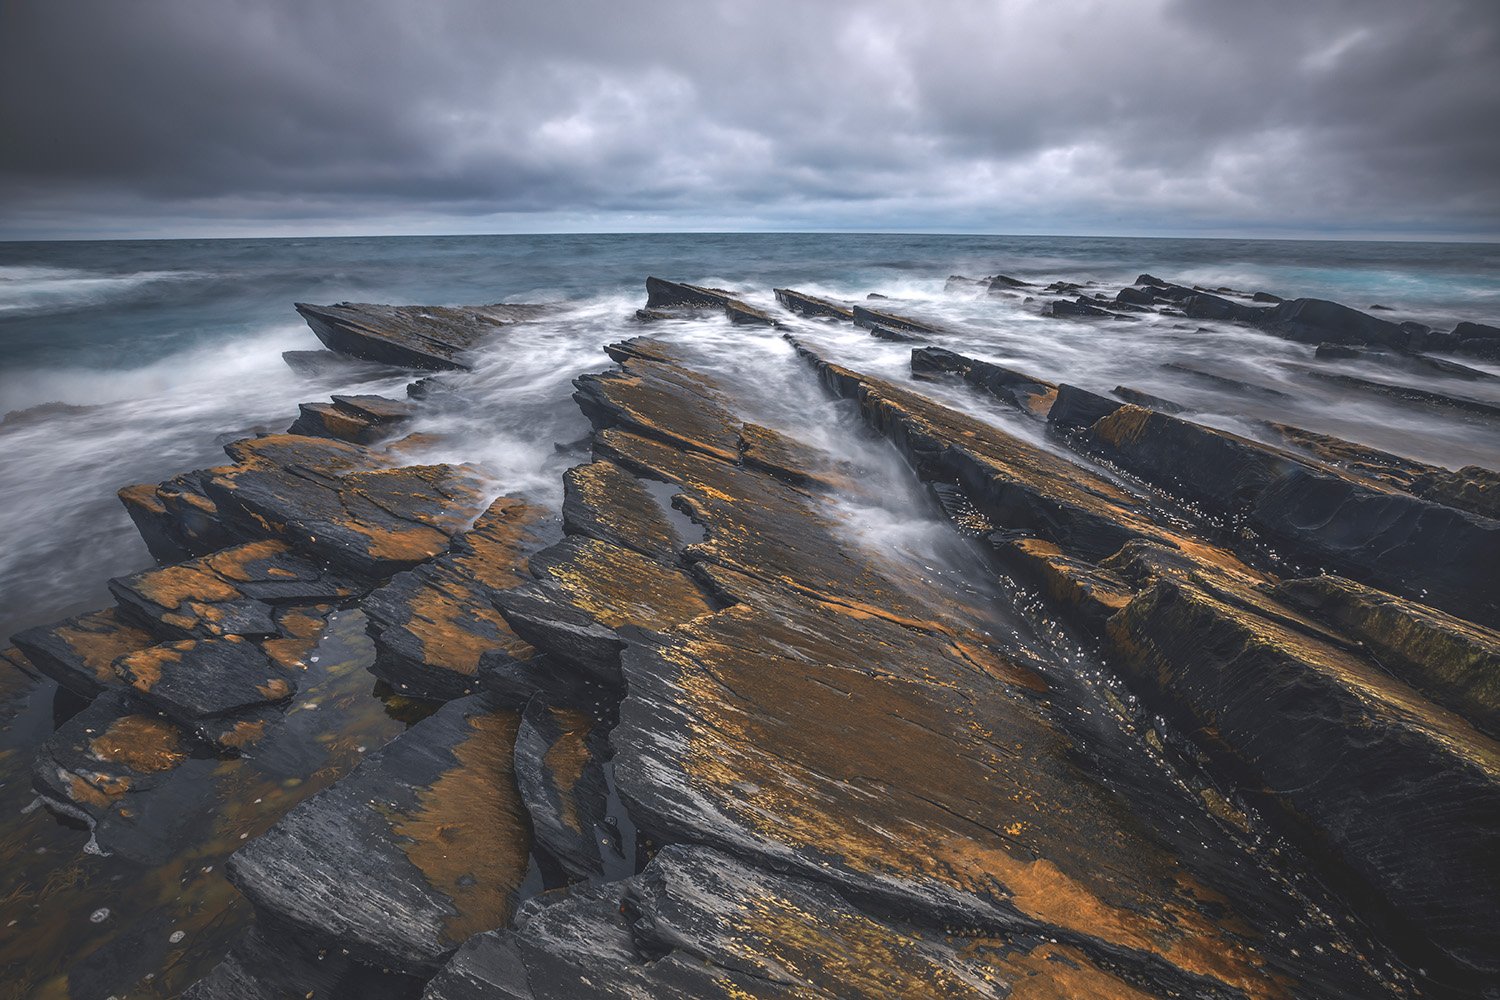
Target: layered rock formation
<point>1217,716</point>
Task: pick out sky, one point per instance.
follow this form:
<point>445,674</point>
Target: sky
<point>1313,118</point>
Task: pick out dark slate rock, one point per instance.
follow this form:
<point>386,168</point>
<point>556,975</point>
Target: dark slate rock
<point>265,965</point>
<point>1146,399</point>
<point>561,779</point>
<point>585,591</point>
<point>1075,407</point>
<point>604,501</point>
<point>327,420</point>
<point>1226,381</point>
<point>1370,765</point>
<point>698,923</point>
<point>432,624</point>
<point>112,767</point>
<point>1135,296</point>
<point>79,653</point>
<point>891,321</point>
<point>998,282</point>
<point>1337,352</point>
<point>423,337</point>
<point>176,518</point>
<point>1205,306</point>
<point>896,336</point>
<point>1411,394</point>
<point>333,366</point>
<point>809,305</point>
<point>1063,309</point>
<point>1265,297</point>
<point>1457,663</point>
<point>421,846</point>
<point>663,294</point>
<point>1476,331</point>
<point>1317,321</point>
<point>1026,393</point>
<point>196,679</point>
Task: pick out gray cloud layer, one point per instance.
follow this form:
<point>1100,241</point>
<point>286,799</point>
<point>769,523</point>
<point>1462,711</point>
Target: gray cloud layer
<point>1010,116</point>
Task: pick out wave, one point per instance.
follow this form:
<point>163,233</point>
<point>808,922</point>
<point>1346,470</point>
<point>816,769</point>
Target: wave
<point>28,290</point>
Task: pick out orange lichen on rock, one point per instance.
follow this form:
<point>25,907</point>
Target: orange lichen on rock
<point>146,744</point>
<point>469,835</point>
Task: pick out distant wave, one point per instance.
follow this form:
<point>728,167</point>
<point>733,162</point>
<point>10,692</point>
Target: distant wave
<point>25,289</point>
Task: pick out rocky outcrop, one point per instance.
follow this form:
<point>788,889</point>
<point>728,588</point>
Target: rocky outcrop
<point>359,419</point>
<point>421,846</point>
<point>663,296</point>
<point>421,337</point>
<point>433,623</point>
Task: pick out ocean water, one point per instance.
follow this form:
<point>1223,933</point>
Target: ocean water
<point>162,351</point>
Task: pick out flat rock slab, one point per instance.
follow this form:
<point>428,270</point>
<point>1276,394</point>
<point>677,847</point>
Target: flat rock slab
<point>230,592</point>
<point>176,518</point>
<point>560,775</point>
<point>421,846</point>
<point>585,590</point>
<point>116,767</point>
<point>196,679</point>
<point>703,924</point>
<point>369,523</point>
<point>423,337</point>
<point>79,653</point>
<point>811,305</point>
<point>432,624</point>
<point>602,500</point>
<point>358,419</point>
<point>663,296</point>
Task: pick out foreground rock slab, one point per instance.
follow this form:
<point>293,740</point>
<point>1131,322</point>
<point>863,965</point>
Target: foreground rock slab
<point>421,846</point>
<point>423,337</point>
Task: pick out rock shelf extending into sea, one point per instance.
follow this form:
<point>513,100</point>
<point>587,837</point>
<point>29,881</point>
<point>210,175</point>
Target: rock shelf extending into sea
<point>1237,734</point>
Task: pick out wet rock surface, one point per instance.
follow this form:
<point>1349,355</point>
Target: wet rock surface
<point>702,731</point>
<point>422,337</point>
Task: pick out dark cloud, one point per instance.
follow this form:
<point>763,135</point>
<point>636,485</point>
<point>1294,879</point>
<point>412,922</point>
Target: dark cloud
<point>1019,115</point>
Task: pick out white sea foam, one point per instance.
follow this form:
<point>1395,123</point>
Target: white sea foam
<point>26,290</point>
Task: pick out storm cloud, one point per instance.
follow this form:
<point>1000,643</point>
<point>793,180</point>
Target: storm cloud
<point>1066,116</point>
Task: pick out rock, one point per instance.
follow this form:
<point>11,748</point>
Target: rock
<point>1206,306</point>
<point>1472,488</point>
<point>1135,296</point>
<point>176,519</point>
<point>359,419</point>
<point>108,767</point>
<point>1077,408</point>
<point>79,653</point>
<point>421,846</point>
<point>585,591</point>
<point>809,305</point>
<point>1265,297</point>
<point>332,365</point>
<point>1476,331</point>
<point>1452,661</point>
<point>700,923</point>
<point>561,781</point>
<point>1336,352</point>
<point>1090,593</point>
<point>432,624</point>
<point>1316,321</point>
<point>601,500</point>
<point>667,294</point>
<point>370,523</point>
<point>1063,309</point>
<point>873,317</point>
<point>1342,746</point>
<point>1226,381</point>
<point>1030,395</point>
<point>898,336</point>
<point>1408,393</point>
<point>1147,400</point>
<point>1001,281</point>
<point>264,965</point>
<point>422,337</point>
<point>1393,540</point>
<point>958,282</point>
<point>196,679</point>
<point>1380,308</point>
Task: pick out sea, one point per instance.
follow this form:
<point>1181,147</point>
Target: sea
<point>131,361</point>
